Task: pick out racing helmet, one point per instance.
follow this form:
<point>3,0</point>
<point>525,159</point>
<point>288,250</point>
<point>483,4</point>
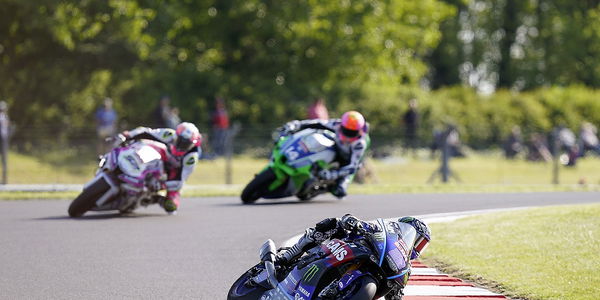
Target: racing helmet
<point>423,235</point>
<point>187,137</point>
<point>352,127</point>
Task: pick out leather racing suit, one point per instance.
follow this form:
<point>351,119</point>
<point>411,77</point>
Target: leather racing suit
<point>330,228</point>
<point>349,156</point>
<point>177,168</point>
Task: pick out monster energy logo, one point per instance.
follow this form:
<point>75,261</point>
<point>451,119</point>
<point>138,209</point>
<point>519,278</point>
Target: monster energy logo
<point>310,273</point>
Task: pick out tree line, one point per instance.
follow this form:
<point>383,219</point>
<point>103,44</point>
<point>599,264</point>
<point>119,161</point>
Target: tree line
<point>269,59</point>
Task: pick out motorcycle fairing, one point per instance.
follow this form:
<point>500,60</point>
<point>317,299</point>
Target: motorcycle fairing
<point>302,282</point>
<point>392,248</point>
<point>349,278</point>
<point>294,156</point>
<point>136,161</point>
<point>140,159</point>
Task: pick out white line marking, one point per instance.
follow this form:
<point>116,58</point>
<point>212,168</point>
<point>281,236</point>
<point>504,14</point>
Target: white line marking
<point>425,271</point>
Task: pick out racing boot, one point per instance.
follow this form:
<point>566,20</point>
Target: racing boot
<point>170,203</point>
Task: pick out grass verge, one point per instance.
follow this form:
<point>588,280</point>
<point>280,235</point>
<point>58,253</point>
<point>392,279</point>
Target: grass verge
<point>541,253</point>
<point>235,190</point>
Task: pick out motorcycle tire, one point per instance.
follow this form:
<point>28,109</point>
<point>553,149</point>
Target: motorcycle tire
<point>364,288</point>
<point>240,292</point>
<point>258,186</point>
<point>86,200</point>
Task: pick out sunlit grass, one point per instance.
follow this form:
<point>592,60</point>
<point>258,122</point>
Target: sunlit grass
<point>480,172</point>
<point>541,253</point>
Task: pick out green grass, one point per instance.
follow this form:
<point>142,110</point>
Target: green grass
<point>541,253</point>
<point>480,172</point>
<point>478,169</point>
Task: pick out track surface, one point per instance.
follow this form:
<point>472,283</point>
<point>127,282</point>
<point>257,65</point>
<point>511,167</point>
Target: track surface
<point>196,254</point>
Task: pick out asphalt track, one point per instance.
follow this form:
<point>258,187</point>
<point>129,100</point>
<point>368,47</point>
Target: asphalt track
<point>196,254</point>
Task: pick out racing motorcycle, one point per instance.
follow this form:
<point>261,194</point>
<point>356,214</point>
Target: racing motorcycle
<point>295,162</point>
<point>363,266</point>
<point>129,176</point>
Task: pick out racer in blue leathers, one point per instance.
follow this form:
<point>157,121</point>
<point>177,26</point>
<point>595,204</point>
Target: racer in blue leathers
<point>341,228</point>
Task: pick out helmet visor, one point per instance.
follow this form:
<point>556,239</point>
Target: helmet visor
<point>421,244</point>
<point>183,144</point>
<point>349,132</point>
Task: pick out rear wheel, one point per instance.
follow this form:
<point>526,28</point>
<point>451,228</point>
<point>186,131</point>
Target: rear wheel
<point>258,186</point>
<point>86,200</point>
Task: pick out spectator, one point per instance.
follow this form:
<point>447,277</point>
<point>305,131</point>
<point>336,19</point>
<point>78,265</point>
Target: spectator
<point>451,138</point>
<point>318,110</point>
<point>514,143</point>
<point>411,124</point>
<point>567,143</point>
<point>220,126</point>
<point>538,148</point>
<point>106,120</point>
<point>173,120</point>
<point>4,136</point>
<point>162,112</point>
<point>588,139</point>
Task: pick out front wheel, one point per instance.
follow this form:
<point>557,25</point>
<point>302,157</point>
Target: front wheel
<point>88,197</point>
<point>364,288</point>
<point>243,290</point>
<point>258,186</point>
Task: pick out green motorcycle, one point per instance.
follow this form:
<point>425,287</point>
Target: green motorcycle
<point>293,167</point>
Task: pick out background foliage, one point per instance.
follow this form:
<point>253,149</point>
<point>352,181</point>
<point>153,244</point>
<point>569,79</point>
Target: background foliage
<point>484,65</point>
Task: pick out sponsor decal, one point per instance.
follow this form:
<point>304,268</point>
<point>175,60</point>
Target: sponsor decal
<point>303,147</point>
<point>337,250</point>
<point>132,161</point>
<point>401,245</point>
<point>292,154</point>
<point>379,236</point>
<point>167,133</point>
<point>303,291</point>
<point>310,273</point>
<point>191,161</point>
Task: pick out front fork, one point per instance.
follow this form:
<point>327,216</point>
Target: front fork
<point>112,191</point>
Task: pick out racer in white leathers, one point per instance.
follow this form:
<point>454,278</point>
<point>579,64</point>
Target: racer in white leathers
<point>352,140</point>
<point>184,150</point>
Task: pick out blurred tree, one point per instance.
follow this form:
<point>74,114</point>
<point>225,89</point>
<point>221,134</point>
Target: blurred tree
<point>519,44</point>
<point>59,58</point>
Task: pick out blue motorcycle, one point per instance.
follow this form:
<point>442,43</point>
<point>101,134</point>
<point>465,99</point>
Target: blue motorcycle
<point>363,266</point>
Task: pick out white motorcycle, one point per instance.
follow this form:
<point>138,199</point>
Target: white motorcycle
<point>128,176</point>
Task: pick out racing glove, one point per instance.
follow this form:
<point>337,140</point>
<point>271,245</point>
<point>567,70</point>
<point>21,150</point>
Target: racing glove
<point>290,127</point>
<point>119,139</point>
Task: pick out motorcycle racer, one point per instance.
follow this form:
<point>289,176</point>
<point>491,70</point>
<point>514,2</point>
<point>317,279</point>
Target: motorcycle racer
<point>352,140</point>
<point>343,227</point>
<point>184,150</point>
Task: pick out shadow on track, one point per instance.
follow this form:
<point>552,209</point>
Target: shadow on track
<point>101,216</point>
<point>266,202</point>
